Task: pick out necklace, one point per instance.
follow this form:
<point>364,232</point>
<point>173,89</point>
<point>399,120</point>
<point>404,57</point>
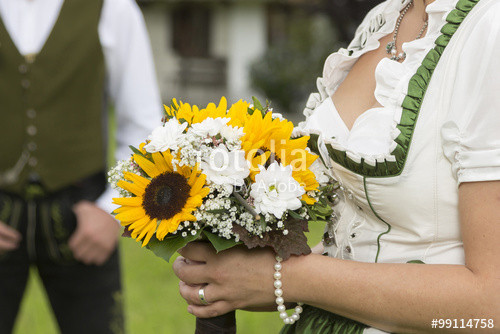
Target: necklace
<point>391,47</point>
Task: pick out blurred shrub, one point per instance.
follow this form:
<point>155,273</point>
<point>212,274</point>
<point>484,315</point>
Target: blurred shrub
<point>286,74</point>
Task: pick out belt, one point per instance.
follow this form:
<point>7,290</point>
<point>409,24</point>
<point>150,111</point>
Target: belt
<point>89,188</point>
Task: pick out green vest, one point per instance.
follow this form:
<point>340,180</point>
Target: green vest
<point>51,122</point>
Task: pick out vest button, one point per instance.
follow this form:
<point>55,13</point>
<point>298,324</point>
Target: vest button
<point>31,130</point>
<point>25,83</point>
<point>23,68</point>
<point>32,146</point>
<point>31,113</point>
<point>33,162</point>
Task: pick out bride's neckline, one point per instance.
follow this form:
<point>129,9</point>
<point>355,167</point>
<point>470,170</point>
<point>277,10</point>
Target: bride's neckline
<point>413,77</point>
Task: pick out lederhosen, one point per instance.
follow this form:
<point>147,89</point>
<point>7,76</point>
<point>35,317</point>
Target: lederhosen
<point>52,155</point>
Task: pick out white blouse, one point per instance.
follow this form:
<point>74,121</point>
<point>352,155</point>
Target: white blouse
<point>412,213</point>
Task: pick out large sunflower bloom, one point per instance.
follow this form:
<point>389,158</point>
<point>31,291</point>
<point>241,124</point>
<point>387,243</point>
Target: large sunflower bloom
<point>162,203</point>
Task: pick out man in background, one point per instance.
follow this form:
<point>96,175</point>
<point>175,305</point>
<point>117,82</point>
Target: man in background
<point>60,61</point>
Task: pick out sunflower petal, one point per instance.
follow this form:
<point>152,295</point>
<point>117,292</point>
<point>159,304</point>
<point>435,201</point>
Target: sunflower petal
<point>167,156</point>
<point>162,229</point>
<point>131,187</point>
<point>197,184</point>
<point>222,108</point>
<point>160,163</point>
<point>149,228</point>
<point>139,224</point>
<point>144,224</point>
<point>128,201</point>
<point>137,179</point>
<point>133,214</point>
<point>147,166</point>
<point>309,200</point>
<point>148,237</point>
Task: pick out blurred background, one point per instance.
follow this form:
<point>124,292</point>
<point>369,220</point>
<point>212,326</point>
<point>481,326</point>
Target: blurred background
<point>271,49</point>
<point>205,49</point>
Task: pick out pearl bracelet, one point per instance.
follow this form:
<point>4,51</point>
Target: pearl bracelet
<point>278,292</point>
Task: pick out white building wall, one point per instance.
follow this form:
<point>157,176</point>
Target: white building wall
<point>238,34</point>
<point>247,41</point>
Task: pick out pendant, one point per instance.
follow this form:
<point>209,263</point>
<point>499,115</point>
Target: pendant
<point>401,56</point>
<point>390,46</point>
<point>393,51</point>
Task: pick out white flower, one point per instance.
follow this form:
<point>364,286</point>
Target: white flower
<point>210,126</point>
<point>231,133</point>
<point>276,191</point>
<point>226,168</point>
<point>166,137</point>
<point>320,172</point>
<point>278,116</point>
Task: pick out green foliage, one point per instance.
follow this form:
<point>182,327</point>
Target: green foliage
<point>220,244</point>
<point>287,72</point>
<point>170,245</point>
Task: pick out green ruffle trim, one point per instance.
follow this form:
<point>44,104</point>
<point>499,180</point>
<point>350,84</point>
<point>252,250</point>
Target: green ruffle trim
<point>411,105</point>
<point>316,321</point>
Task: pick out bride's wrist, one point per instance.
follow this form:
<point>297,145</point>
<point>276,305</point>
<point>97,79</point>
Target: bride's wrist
<point>294,279</point>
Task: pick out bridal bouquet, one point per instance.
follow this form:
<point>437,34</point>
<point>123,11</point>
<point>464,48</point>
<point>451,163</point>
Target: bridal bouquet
<point>228,176</point>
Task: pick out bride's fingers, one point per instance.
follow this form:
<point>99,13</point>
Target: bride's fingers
<point>198,251</point>
<point>190,272</point>
<point>210,311</point>
<point>191,293</point>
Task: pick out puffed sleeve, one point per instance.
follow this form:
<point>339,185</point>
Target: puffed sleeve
<point>471,132</point>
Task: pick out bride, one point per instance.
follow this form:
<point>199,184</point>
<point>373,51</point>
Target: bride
<point>410,117</point>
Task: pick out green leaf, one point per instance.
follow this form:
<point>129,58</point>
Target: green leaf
<point>323,211</point>
<point>257,104</point>
<point>295,215</point>
<point>416,261</point>
<point>317,221</point>
<point>217,211</point>
<point>311,213</point>
<point>220,243</point>
<point>167,248</point>
<point>136,151</point>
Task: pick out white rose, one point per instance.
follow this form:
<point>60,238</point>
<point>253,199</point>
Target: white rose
<point>276,191</point>
<point>166,137</point>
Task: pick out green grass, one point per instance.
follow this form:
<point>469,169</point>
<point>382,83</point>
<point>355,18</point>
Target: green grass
<point>152,301</point>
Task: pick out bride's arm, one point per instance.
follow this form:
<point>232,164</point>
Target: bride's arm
<point>392,297</point>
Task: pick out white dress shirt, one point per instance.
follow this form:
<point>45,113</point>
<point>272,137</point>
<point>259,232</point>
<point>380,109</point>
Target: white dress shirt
<point>131,80</point>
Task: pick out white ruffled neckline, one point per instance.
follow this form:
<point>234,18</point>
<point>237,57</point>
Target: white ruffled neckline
<point>372,137</point>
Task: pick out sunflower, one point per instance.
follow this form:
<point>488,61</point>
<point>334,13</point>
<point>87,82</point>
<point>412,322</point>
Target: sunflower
<point>162,203</point>
<point>193,114</point>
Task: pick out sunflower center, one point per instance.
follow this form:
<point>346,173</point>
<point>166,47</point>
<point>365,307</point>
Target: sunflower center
<point>166,196</point>
<point>163,195</point>
<point>272,157</point>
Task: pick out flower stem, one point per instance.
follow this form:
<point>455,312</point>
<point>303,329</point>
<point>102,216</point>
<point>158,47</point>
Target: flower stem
<point>247,206</point>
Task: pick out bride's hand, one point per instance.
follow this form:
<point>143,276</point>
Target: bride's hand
<point>233,279</point>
